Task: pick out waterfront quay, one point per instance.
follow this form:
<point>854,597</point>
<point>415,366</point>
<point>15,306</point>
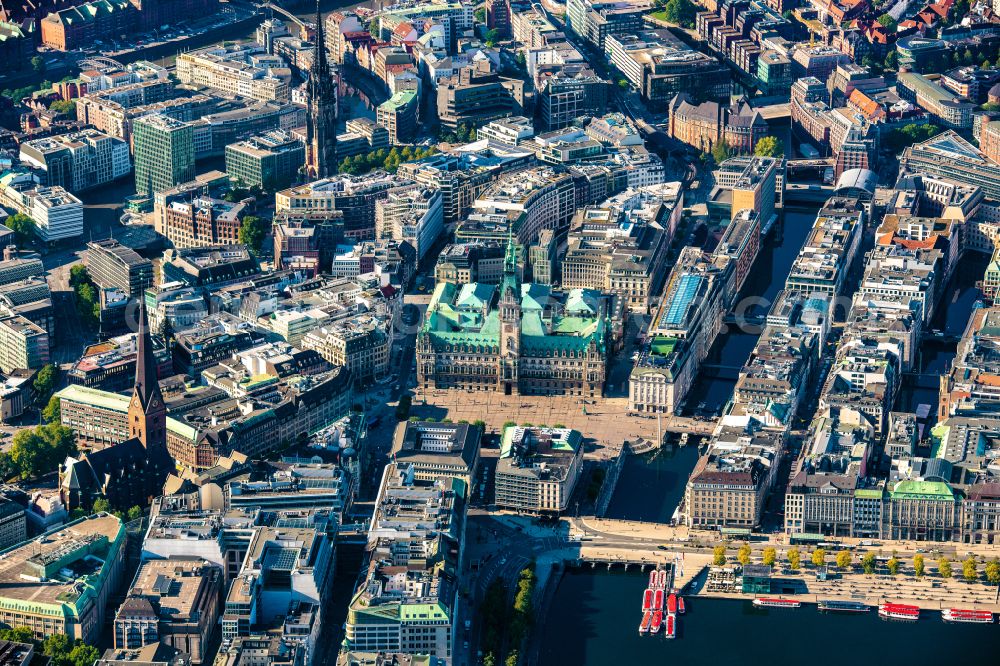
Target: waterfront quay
<point>604,543</point>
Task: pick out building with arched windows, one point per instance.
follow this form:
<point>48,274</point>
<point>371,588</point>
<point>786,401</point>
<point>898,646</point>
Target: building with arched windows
<point>521,339</point>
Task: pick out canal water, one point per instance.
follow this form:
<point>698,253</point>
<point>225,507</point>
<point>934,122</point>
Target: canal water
<point>651,485</point>
<point>732,348</point>
<point>595,618</point>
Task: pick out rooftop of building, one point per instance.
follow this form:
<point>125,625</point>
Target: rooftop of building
<point>57,568</point>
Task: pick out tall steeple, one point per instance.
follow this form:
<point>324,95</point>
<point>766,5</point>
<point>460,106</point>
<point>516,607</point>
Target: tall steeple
<point>147,415</point>
<point>321,129</point>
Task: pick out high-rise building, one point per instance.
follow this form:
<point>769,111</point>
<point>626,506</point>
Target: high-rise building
<point>271,160</point>
<point>321,130</point>
<point>164,153</point>
<point>23,344</point>
<point>113,265</point>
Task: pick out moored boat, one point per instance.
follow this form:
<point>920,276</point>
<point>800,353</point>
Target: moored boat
<point>899,611</point>
<point>970,615</point>
<point>672,604</point>
<point>657,622</point>
<point>680,605</point>
<point>653,577</point>
<point>662,580</point>
<point>671,626</point>
<point>772,602</point>
<point>647,618</point>
<point>647,599</point>
<point>658,600</point>
<point>835,605</point>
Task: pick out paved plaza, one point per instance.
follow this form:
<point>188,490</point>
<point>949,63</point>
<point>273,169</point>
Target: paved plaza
<point>604,422</point>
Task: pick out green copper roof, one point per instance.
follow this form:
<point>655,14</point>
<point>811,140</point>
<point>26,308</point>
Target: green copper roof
<point>534,296</point>
<point>474,296</point>
<point>868,493</point>
<point>926,490</point>
<point>399,100</point>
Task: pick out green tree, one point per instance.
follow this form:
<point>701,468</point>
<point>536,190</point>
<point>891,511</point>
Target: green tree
<point>513,658</point>
<point>681,12</point>
<point>769,146</point>
<point>819,557</point>
<point>492,37</point>
<point>991,106</point>
<point>770,556</point>
<point>78,275</point>
<point>969,570</point>
<point>480,15</point>
<point>490,659</point>
<point>57,645</point>
<point>53,410</point>
<point>888,23</point>
<point>66,106</point>
<point>373,29</point>
<point>844,559</point>
<point>720,152</point>
<point>794,556</point>
<point>992,572</point>
<point>944,567</point>
<point>252,233</point>
<point>38,64</point>
<point>135,513</point>
<point>893,565</point>
<point>18,635</point>
<point>45,383</point>
<point>719,556</point>
<point>102,504</point>
<point>788,15</point>
<point>868,563</point>
<point>743,554</point>
<point>82,655</point>
<point>918,565</point>
<point>23,227</point>
<point>892,60</point>
<point>40,450</point>
<point>623,84</point>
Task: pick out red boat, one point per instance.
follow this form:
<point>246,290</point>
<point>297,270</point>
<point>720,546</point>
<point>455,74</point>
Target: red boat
<point>647,599</point>
<point>658,599</point>
<point>671,627</point>
<point>647,617</point>
<point>967,615</point>
<point>662,582</point>
<point>653,577</point>
<point>672,604</point>
<point>680,605</point>
<point>899,611</point>
<point>770,602</point>
<point>657,621</point>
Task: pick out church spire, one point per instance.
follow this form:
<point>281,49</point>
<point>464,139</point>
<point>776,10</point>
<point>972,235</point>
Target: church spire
<point>147,385</point>
<point>321,129</point>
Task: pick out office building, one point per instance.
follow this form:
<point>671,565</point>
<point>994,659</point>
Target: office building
<point>476,96</point>
<point>538,469</point>
<point>23,344</point>
<point>270,161</point>
<point>39,595</point>
<point>438,450</point>
<point>204,222</point>
<point>113,265</point>
<point>595,21</point>
<point>164,153</point>
<point>174,602</point>
<point>80,160</point>
<point>414,213</point>
<point>398,115</point>
<point>243,69</point>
